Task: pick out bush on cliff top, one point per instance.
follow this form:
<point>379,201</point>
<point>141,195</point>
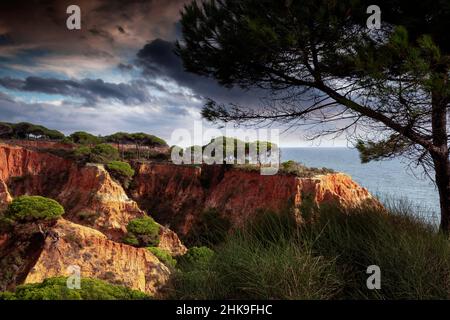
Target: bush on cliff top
<point>121,171</point>
<point>328,259</point>
<point>142,232</point>
<point>104,153</point>
<point>300,170</point>
<point>120,168</point>
<point>85,138</point>
<point>163,256</point>
<point>56,289</point>
<point>101,153</point>
<point>30,208</point>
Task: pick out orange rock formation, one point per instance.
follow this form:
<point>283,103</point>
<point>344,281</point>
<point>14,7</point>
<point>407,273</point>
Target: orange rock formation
<point>178,194</point>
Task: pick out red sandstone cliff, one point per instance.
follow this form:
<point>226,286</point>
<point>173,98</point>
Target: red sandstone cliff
<point>27,257</point>
<point>88,193</point>
<point>177,195</point>
<point>90,197</point>
<point>98,258</point>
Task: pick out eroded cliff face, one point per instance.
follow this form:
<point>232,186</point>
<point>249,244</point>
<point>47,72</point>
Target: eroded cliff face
<point>26,171</point>
<point>89,195</point>
<point>30,257</point>
<point>98,258</point>
<point>98,209</point>
<point>5,197</point>
<point>177,195</point>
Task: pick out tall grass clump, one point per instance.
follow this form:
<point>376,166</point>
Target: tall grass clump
<point>413,257</point>
<point>273,258</point>
<point>263,261</point>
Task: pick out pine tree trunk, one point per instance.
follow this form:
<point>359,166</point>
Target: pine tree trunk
<point>440,140</point>
<point>442,169</point>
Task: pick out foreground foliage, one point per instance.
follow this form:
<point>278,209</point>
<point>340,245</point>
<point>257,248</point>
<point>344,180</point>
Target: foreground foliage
<point>56,289</point>
<point>272,258</point>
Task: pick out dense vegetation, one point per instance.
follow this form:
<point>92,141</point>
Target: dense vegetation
<point>31,208</point>
<point>195,257</point>
<point>121,168</point>
<point>87,142</point>
<point>139,138</point>
<point>163,256</point>
<point>290,168</point>
<point>86,138</point>
<point>121,171</point>
<point>230,147</point>
<point>273,258</point>
<point>25,130</point>
<point>56,289</point>
<point>300,170</point>
<point>142,232</point>
<point>103,153</point>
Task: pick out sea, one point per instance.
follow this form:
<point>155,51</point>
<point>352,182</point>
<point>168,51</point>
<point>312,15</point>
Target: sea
<point>392,181</point>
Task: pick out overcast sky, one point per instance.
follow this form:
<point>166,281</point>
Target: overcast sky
<point>118,73</point>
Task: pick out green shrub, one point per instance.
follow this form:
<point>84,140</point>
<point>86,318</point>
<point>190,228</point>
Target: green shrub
<point>143,231</point>
<point>121,171</point>
<point>82,152</point>
<point>121,168</point>
<point>29,208</point>
<point>82,137</point>
<point>131,240</point>
<point>56,289</point>
<point>67,141</point>
<point>196,257</point>
<point>164,256</point>
<point>300,170</point>
<point>103,153</point>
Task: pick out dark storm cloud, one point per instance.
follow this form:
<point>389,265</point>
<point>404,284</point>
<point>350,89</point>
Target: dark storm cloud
<point>158,59</point>
<point>92,90</point>
<point>125,66</point>
<point>115,27</point>
<point>5,39</point>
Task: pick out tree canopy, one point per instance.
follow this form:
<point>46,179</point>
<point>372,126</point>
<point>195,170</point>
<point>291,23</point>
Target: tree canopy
<point>136,138</point>
<point>386,89</point>
<point>25,130</point>
<point>83,137</point>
